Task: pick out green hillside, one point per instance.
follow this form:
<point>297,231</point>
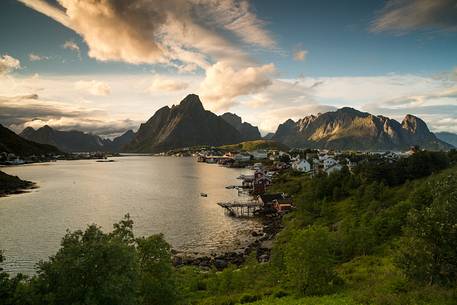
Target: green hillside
<point>256,144</point>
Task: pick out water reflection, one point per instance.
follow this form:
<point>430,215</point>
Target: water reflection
<point>161,194</point>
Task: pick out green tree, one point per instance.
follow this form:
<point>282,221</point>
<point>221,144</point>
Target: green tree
<point>428,251</point>
<point>310,261</point>
<point>91,267</point>
<point>158,282</point>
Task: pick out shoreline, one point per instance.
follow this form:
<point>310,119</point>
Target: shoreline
<point>261,246</point>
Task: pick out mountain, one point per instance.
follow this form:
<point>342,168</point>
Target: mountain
<point>350,129</point>
<point>248,132</point>
<point>447,137</point>
<point>74,140</point>
<point>268,136</point>
<point>12,143</point>
<point>184,125</point>
<point>117,144</point>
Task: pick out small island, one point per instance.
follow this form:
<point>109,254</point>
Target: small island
<point>13,184</point>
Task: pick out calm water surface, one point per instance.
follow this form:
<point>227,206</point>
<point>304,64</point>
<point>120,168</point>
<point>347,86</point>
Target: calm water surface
<point>162,195</point>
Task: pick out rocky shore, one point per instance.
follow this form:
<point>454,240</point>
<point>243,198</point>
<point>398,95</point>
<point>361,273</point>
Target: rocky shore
<point>261,246</point>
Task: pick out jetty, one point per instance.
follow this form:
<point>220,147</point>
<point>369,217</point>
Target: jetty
<point>241,208</point>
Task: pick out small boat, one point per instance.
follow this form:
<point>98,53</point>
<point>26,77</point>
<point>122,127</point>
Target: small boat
<point>230,187</point>
<point>203,194</point>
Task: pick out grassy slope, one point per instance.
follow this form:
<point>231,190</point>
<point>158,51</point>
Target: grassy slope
<point>257,144</point>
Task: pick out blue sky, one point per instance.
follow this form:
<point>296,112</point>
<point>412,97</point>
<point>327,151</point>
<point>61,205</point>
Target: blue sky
<point>266,60</point>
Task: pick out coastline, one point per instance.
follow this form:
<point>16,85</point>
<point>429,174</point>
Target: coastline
<point>13,185</point>
<point>261,246</point>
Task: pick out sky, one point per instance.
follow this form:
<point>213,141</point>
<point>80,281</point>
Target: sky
<point>105,66</point>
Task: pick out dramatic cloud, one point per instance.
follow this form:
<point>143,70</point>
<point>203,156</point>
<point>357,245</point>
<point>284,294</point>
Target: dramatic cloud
<point>8,64</point>
<point>94,87</point>
<point>159,31</point>
<point>23,111</point>
<point>223,83</point>
<point>35,57</point>
<point>300,55</point>
<point>409,15</point>
<point>71,45</point>
<point>160,83</point>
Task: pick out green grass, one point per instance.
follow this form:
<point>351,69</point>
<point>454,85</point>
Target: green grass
<point>257,144</point>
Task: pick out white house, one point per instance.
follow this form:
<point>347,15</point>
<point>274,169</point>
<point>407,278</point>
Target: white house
<point>329,162</point>
<point>301,166</point>
<point>334,168</point>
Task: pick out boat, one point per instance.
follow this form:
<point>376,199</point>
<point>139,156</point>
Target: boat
<point>203,194</point>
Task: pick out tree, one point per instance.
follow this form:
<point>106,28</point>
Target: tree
<point>158,283</point>
<point>428,251</point>
<point>310,261</point>
<point>91,267</point>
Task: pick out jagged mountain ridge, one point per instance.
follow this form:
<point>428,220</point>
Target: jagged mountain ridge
<point>10,142</point>
<point>248,132</point>
<point>350,129</point>
<point>76,141</point>
<point>184,125</point>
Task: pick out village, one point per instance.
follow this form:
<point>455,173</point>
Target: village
<point>266,164</point>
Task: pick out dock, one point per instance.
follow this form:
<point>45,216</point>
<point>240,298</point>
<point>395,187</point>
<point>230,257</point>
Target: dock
<point>241,209</point>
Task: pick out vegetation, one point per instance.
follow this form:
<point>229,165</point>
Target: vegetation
<point>255,144</point>
<point>12,184</point>
<point>356,238</point>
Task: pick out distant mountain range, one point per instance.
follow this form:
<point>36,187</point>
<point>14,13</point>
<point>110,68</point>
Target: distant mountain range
<point>350,129</point>
<point>12,143</point>
<point>447,137</point>
<point>76,141</point>
<point>184,125</point>
<point>189,124</point>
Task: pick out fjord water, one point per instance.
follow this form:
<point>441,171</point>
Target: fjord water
<point>162,195</point>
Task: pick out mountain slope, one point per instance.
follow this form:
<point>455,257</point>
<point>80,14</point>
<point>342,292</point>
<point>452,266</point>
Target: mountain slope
<point>350,129</point>
<point>12,143</point>
<point>447,137</point>
<point>184,125</point>
<point>74,140</point>
<point>248,132</point>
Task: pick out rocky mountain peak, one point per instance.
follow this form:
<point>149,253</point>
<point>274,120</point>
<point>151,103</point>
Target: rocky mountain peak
<point>191,102</point>
<point>414,124</point>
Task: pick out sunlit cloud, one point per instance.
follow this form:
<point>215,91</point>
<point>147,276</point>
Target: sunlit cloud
<point>72,46</point>
<point>223,83</point>
<point>36,57</point>
<point>160,83</point>
<point>94,87</point>
<point>409,15</point>
<point>300,55</point>
<point>8,64</point>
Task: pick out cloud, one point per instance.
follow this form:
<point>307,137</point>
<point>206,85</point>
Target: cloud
<point>223,83</point>
<point>71,45</point>
<point>35,57</point>
<point>300,55</point>
<point>30,110</point>
<point>8,64</point>
<point>94,87</point>
<point>156,31</point>
<point>408,15</point>
<point>160,83</point>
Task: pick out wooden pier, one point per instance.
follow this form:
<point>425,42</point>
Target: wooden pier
<point>241,209</point>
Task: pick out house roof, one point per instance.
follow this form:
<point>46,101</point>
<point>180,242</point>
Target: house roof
<point>266,198</point>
